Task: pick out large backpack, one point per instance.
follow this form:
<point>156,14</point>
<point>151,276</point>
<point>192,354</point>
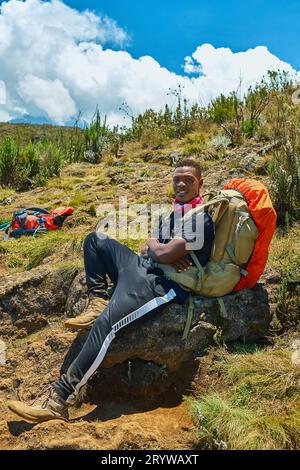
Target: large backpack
<point>245,221</point>
<point>265,218</point>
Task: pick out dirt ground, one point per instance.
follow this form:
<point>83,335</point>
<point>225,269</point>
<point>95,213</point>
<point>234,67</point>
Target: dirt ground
<point>35,360</point>
<point>114,426</point>
<point>110,425</point>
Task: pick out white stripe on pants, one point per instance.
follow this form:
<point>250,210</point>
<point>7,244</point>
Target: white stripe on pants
<point>131,317</point>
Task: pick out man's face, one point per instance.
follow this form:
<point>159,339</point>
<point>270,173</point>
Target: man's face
<point>186,183</point>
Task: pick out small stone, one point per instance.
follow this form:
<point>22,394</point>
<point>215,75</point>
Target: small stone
<point>91,157</point>
<point>79,187</point>
<point>296,358</point>
<point>175,157</point>
<point>296,344</point>
<point>7,201</point>
<point>2,352</point>
<point>5,384</point>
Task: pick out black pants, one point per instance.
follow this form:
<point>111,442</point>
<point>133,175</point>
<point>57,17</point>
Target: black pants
<point>136,293</point>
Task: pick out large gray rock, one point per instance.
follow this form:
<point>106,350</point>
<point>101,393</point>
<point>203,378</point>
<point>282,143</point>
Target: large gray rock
<point>149,357</point>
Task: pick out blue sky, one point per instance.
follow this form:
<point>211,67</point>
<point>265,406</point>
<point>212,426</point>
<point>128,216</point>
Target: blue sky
<point>59,57</point>
<point>170,30</point>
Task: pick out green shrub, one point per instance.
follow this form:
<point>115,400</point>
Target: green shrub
<point>249,127</point>
<point>244,115</point>
<point>255,102</point>
<point>9,162</point>
<point>284,172</point>
<point>72,144</point>
<point>97,135</point>
<point>284,168</point>
<point>51,159</point>
<point>154,127</point>
<point>224,108</point>
<point>29,167</point>
<point>194,145</point>
<point>22,168</point>
<point>288,293</point>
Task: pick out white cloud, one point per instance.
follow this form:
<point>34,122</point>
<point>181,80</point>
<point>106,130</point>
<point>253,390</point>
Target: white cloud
<point>55,62</point>
<point>2,93</point>
<point>49,95</point>
<point>222,70</point>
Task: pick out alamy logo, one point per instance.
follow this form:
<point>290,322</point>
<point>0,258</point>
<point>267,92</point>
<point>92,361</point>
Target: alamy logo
<point>140,221</point>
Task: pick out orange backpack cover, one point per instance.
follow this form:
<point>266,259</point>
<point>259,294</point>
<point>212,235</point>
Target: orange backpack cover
<point>265,218</point>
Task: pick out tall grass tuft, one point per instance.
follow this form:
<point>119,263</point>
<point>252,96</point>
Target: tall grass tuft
<point>284,169</point>
<point>9,162</point>
<point>258,405</point>
<point>97,135</point>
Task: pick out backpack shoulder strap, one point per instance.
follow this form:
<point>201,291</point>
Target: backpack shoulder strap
<point>189,317</point>
<point>219,200</point>
<point>196,261</point>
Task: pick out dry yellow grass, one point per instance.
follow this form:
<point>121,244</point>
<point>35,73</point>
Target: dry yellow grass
<point>256,405</point>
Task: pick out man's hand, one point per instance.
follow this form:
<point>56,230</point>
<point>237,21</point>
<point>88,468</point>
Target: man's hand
<point>144,251</point>
<point>167,253</point>
<point>182,264</point>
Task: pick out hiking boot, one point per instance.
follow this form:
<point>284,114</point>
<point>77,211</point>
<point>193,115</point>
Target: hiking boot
<point>48,405</point>
<point>94,308</point>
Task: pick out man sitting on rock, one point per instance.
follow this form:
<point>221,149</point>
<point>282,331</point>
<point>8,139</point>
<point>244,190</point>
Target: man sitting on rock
<point>139,288</point>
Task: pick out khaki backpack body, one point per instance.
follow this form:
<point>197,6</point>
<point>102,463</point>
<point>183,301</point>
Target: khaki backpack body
<point>233,245</point>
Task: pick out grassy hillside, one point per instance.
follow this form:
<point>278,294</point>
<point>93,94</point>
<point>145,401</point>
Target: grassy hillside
<point>246,396</point>
<point>25,133</point>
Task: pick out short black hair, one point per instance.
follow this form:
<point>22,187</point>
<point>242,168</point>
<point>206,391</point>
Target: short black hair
<point>191,163</point>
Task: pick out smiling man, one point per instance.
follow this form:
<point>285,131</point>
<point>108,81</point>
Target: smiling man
<point>140,287</point>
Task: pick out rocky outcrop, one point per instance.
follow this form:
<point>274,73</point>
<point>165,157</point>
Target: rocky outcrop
<point>149,357</point>
<point>28,299</point>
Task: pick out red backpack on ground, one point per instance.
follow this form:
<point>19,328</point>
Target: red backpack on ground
<point>33,220</point>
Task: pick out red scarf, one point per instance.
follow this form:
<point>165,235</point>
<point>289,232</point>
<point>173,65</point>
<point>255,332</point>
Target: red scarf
<point>183,208</point>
